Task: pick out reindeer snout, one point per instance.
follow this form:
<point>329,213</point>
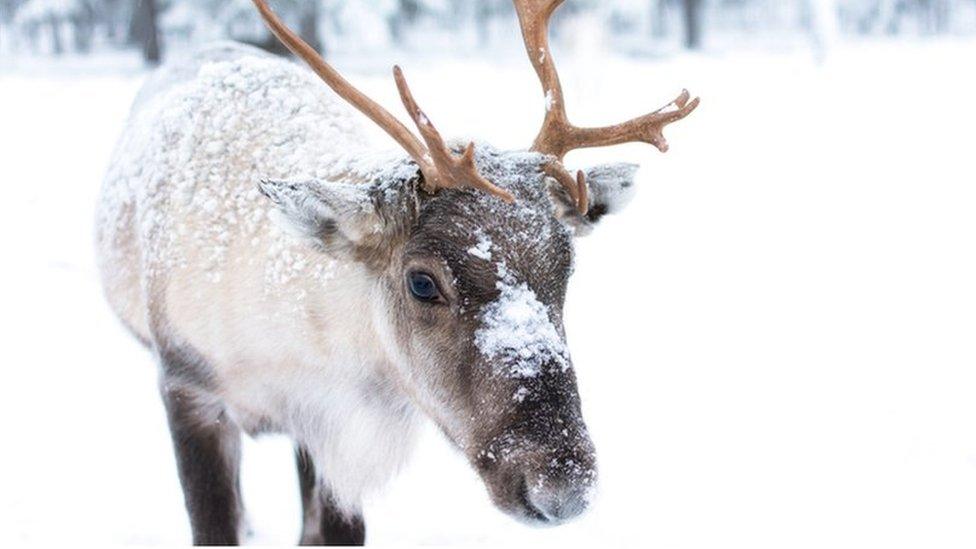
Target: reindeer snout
<point>546,481</point>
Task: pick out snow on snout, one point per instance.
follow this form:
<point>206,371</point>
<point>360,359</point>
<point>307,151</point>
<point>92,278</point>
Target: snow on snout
<point>516,332</point>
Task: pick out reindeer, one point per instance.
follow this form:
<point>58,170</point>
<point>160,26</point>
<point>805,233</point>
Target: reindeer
<point>287,278</point>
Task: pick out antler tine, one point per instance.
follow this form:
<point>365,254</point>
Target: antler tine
<point>646,129</point>
<point>446,170</point>
<point>575,187</point>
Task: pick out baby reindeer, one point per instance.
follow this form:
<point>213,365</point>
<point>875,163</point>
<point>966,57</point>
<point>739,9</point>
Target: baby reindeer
<point>288,279</point>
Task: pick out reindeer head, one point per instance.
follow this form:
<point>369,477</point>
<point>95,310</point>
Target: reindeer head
<point>471,258</point>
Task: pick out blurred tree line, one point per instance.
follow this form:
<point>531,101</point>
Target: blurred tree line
<point>58,26</point>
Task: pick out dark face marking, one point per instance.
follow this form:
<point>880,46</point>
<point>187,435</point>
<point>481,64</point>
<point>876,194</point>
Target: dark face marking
<point>488,360</point>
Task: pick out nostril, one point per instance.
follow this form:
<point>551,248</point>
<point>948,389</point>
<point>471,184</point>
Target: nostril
<point>556,502</point>
<point>531,507</point>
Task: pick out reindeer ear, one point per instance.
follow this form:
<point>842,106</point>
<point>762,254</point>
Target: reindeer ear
<point>337,216</point>
<point>611,187</point>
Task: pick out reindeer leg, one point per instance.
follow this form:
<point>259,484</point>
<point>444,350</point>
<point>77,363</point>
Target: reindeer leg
<point>207,445</point>
<point>323,522</point>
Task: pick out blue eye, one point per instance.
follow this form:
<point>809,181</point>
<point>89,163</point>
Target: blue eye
<point>423,287</point>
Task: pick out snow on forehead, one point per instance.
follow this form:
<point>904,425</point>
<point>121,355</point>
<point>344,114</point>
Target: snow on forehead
<point>531,219</point>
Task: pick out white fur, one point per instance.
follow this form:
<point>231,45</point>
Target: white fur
<point>187,251</point>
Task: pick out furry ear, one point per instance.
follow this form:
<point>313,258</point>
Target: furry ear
<point>339,216</point>
<point>611,187</point>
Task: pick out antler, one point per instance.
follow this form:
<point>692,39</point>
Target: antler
<point>558,136</point>
<point>440,167</point>
<point>452,170</point>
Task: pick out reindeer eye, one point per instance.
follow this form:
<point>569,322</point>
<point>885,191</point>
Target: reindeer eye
<point>423,287</point>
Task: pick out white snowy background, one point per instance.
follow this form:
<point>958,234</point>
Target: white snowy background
<point>776,343</point>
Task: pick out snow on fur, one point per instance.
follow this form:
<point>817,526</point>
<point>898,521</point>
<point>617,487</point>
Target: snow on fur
<point>482,249</point>
<point>210,131</point>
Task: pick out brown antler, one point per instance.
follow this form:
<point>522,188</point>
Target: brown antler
<point>453,171</point>
<point>558,136</point>
<point>440,167</point>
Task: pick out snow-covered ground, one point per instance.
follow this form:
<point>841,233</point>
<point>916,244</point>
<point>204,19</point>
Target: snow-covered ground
<point>776,344</point>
